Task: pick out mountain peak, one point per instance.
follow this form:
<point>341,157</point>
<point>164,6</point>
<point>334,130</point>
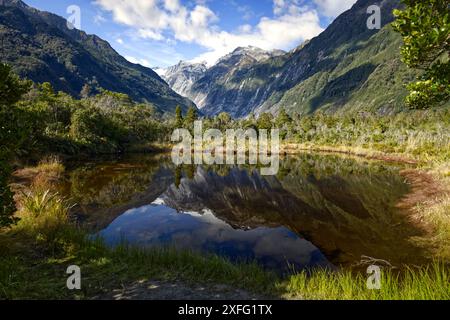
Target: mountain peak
<point>184,64</point>
<point>181,76</point>
<point>255,53</point>
<point>247,50</point>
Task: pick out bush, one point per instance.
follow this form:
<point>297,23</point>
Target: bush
<point>11,135</point>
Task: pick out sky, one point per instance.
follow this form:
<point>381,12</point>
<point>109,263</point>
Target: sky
<point>160,33</point>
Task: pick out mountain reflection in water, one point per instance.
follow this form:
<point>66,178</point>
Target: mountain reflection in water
<point>320,210</point>
<point>157,225</point>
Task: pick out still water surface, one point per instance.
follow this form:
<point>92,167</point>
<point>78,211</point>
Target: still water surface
<point>319,211</point>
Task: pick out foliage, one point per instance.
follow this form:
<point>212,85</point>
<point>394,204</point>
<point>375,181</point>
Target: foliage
<point>11,135</point>
<point>7,207</point>
<point>283,118</point>
<point>264,122</point>
<point>284,123</point>
<point>425,28</point>
<point>178,117</point>
<point>107,122</point>
<point>88,126</point>
<point>11,90</point>
<point>191,117</point>
<point>224,119</point>
<point>420,133</point>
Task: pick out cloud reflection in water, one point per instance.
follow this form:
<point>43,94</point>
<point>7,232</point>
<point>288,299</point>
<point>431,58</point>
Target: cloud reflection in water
<point>157,225</point>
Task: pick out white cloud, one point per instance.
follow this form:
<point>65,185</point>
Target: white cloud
<point>246,28</point>
<point>168,19</point>
<point>282,32</point>
<point>333,8</point>
<point>119,40</point>
<point>150,34</point>
<point>278,6</point>
<point>172,5</point>
<point>99,19</point>
<point>142,62</point>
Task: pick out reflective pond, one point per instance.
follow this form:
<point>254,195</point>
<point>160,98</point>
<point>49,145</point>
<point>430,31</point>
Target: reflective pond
<point>319,211</point>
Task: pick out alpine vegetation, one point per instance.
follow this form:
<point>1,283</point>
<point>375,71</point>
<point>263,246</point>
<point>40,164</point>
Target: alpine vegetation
<point>212,146</point>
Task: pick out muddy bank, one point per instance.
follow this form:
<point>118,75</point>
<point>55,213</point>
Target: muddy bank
<point>424,189</point>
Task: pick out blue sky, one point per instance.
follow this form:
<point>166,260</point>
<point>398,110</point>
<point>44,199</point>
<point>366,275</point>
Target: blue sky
<point>159,33</point>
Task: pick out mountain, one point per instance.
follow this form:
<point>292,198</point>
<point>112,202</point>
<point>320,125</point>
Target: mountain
<point>201,85</point>
<point>182,76</point>
<point>41,47</point>
<point>347,68</point>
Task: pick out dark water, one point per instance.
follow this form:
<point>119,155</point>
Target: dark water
<point>319,211</point>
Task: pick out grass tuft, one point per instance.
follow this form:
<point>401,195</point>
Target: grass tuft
<point>437,215</point>
<point>427,283</point>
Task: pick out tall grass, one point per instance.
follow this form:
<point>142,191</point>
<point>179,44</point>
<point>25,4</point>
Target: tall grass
<point>43,214</point>
<point>51,164</point>
<point>48,169</point>
<point>437,215</point>
<point>428,283</point>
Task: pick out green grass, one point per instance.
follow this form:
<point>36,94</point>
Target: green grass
<point>40,273</point>
<point>428,283</point>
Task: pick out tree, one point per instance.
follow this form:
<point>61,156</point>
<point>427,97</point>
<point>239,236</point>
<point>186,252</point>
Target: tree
<point>48,93</point>
<point>191,117</point>
<point>224,120</point>
<point>265,121</point>
<point>11,135</point>
<point>284,123</point>
<point>178,117</point>
<point>283,119</point>
<point>425,28</point>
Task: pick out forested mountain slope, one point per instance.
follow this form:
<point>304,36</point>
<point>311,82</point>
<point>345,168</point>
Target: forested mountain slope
<point>40,47</point>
